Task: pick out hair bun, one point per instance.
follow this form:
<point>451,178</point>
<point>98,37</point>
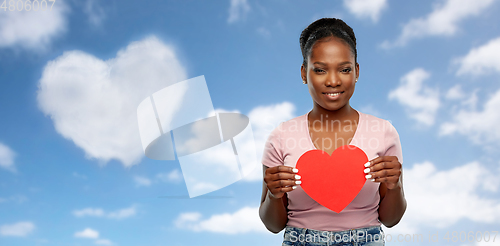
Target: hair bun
<point>326,27</point>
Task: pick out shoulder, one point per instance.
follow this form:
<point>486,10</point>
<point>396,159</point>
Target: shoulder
<point>275,150</point>
<point>297,120</point>
<point>371,118</point>
<point>293,125</point>
<point>391,143</point>
<point>376,123</point>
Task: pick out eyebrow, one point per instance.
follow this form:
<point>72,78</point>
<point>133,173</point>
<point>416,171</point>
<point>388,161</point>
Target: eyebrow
<point>340,64</point>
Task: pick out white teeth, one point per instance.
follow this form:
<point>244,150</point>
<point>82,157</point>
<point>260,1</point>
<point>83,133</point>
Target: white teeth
<point>333,94</point>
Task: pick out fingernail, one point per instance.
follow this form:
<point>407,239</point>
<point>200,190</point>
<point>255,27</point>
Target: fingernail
<point>298,182</point>
<point>295,170</point>
<point>367,164</point>
<point>297,176</point>
<point>372,179</point>
<point>367,170</point>
<point>368,176</point>
<point>294,187</point>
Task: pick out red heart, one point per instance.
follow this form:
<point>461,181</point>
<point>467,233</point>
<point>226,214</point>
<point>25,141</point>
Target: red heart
<point>333,181</point>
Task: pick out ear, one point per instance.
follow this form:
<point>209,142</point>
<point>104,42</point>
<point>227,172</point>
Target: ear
<point>303,73</point>
<point>357,71</point>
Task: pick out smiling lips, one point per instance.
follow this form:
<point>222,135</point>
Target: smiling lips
<point>332,95</point>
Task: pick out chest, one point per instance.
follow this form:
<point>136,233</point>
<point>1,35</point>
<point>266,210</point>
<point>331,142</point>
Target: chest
<point>330,138</point>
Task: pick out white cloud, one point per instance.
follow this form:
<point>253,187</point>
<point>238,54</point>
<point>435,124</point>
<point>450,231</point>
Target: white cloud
<point>420,101</point>
<point>481,126</point>
<point>80,176</point>
<point>462,99</point>
<point>20,229</point>
<point>366,8</point>
<point>173,176</point>
<point>122,213</point>
<point>7,156</point>
<point>87,233</point>
<point>472,101</point>
<point>481,60</point>
<point>95,12</point>
<point>33,30</point>
<point>90,233</point>
<point>442,21</point>
<point>94,212</point>
<point>220,161</point>
<point>264,32</point>
<point>190,145</point>
<point>99,212</point>
<point>264,119</point>
<point>103,242</point>
<point>454,93</point>
<point>242,221</point>
<point>238,10</point>
<point>187,218</point>
<point>94,102</point>
<point>142,181</point>
<point>483,241</point>
<point>457,190</point>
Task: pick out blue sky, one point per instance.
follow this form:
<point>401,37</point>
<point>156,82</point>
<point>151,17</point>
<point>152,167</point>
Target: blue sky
<point>72,170</point>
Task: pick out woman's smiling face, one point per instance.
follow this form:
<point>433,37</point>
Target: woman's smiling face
<point>331,73</point>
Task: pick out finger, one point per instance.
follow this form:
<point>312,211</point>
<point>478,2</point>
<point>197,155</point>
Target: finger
<point>283,183</point>
<point>284,176</point>
<point>271,178</point>
<point>379,159</point>
<point>383,165</point>
<point>282,168</point>
<point>279,191</point>
<point>373,161</point>
<point>384,175</point>
<point>389,180</point>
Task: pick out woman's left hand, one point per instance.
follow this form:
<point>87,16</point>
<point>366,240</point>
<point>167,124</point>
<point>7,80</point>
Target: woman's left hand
<point>385,169</point>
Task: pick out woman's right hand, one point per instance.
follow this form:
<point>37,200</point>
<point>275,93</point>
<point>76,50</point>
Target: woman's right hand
<point>281,179</point>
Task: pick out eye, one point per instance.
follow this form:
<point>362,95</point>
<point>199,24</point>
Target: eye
<point>346,70</point>
<point>318,70</point>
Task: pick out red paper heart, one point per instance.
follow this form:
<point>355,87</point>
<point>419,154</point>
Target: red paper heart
<point>333,181</point>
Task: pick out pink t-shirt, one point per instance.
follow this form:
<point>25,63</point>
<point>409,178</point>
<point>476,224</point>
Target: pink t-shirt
<point>291,139</point>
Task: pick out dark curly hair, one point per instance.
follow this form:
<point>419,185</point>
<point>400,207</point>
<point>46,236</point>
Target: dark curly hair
<point>326,27</point>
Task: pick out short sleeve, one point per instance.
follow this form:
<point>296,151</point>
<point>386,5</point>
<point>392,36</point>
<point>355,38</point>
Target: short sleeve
<point>273,149</point>
<point>392,142</point>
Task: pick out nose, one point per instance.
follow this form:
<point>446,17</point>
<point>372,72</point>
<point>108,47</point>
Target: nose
<point>333,80</point>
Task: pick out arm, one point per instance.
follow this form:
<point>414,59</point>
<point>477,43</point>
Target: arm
<point>272,211</point>
<point>392,206</point>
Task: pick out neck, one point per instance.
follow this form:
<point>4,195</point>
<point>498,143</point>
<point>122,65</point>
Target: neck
<point>319,113</point>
